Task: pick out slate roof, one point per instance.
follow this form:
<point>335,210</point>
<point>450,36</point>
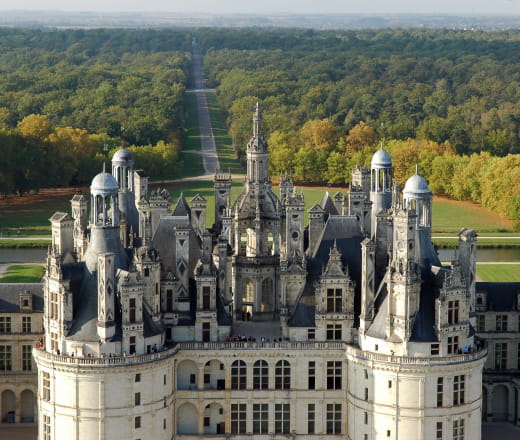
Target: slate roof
<point>501,297</point>
<point>181,208</point>
<point>344,232</point>
<point>10,296</point>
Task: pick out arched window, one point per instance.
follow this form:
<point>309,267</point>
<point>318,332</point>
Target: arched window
<point>260,375</point>
<point>238,375</point>
<point>282,375</point>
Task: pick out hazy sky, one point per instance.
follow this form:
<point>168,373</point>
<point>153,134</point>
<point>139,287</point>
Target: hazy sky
<point>503,7</point>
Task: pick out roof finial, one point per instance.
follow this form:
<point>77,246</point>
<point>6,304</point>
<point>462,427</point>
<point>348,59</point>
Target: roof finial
<point>416,168</point>
<point>256,121</point>
<point>104,167</point>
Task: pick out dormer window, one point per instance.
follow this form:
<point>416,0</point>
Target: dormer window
<point>334,300</point>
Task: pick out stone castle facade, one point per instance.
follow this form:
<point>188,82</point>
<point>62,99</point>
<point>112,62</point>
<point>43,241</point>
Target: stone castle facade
<point>157,327</point>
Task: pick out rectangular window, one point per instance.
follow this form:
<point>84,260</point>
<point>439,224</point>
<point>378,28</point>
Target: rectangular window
<point>282,417</point>
<point>238,375</point>
<point>501,323</point>
<point>137,422</point>
<point>481,323</point>
<point>334,375</point>
<point>453,312</point>
<point>169,300</point>
<point>46,427</point>
<point>440,391</point>
<point>500,356</point>
<point>131,310</point>
<point>260,413</point>
<point>333,332</point>
<point>334,300</point>
<point>26,358</point>
<point>311,418</point>
<point>138,377</point>
<point>438,431</point>
<point>206,331</point>
<point>458,429</point>
<point>46,386</point>
<point>6,357</point>
<point>5,324</point>
<point>366,394</point>
<point>459,389</point>
<point>453,344</point>
<point>311,334</point>
<point>206,296</point>
<point>26,324</point>
<point>434,350</point>
<point>137,399</point>
<point>132,345</point>
<point>54,342</point>
<point>260,375</point>
<point>333,418</point>
<point>312,374</point>
<point>238,418</point>
<point>366,418</point>
<point>54,305</point>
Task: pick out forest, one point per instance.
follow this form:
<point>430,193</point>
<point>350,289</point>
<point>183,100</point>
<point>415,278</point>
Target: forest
<point>67,98</point>
<point>445,100</point>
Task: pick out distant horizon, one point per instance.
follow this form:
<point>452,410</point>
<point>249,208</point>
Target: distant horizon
<point>268,7</point>
<point>265,13</point>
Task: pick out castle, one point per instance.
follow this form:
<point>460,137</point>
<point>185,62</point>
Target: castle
<point>158,328</point>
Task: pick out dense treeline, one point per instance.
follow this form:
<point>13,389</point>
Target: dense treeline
<point>99,87</point>
<point>456,86</point>
<point>454,96</point>
<point>37,154</point>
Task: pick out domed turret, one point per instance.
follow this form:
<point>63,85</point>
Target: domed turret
<point>103,193</point>
<point>123,169</point>
<point>104,183</point>
<point>417,196</point>
<point>380,182</point>
<point>416,185</point>
<point>381,159</point>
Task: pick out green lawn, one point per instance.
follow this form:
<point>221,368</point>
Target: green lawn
<point>450,216</point>
<point>23,274</point>
<point>192,165</point>
<point>30,215</point>
<point>499,272</point>
<point>226,154</point>
<point>191,131</point>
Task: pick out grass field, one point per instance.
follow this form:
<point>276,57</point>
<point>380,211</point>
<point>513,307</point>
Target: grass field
<point>23,274</point>
<point>226,154</point>
<point>192,164</point>
<point>191,131</point>
<point>499,272</point>
<point>450,216</point>
<point>30,214</point>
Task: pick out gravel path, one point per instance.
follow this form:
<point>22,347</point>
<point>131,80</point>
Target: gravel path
<point>207,140</point>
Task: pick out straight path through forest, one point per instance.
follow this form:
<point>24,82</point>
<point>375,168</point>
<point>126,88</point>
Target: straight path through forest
<point>208,149</point>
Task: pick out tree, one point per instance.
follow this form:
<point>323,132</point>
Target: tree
<point>360,136</point>
<point>319,135</point>
<point>35,127</point>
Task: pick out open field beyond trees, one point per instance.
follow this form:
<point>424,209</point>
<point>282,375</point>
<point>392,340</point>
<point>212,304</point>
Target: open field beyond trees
<point>23,274</point>
<point>28,216</point>
<point>499,272</point>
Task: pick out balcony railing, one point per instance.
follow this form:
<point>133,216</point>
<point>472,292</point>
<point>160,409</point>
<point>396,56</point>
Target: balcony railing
<point>245,345</point>
<point>104,361</point>
<point>406,360</point>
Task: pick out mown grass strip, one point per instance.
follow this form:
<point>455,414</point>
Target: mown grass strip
<point>23,274</point>
<point>226,154</point>
<point>24,244</point>
<point>499,272</point>
<point>191,131</point>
